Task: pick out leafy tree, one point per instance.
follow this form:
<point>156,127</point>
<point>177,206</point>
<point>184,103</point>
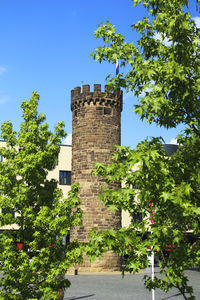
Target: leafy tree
<point>163,71</point>
<point>42,218</point>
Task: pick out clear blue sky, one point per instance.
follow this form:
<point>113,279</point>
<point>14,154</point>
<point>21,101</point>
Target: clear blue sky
<point>45,46</point>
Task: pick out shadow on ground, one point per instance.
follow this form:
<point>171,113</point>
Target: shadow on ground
<point>176,295</point>
<point>80,297</point>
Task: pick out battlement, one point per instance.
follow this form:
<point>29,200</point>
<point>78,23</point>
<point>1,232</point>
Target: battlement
<point>81,96</point>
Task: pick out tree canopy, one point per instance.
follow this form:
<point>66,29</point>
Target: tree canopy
<point>33,257</point>
<point>161,193</point>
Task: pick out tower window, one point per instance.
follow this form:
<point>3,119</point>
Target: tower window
<point>92,155</point>
<point>65,177</point>
<point>107,111</point>
<point>99,110</point>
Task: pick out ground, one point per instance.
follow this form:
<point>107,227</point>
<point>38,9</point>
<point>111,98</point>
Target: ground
<point>113,287</point>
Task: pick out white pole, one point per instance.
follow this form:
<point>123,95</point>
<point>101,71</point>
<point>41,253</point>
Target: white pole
<point>152,273</point>
<point>152,270</point>
<point>152,256</point>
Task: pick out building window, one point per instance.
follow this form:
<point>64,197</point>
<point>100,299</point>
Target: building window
<point>65,177</point>
<point>137,217</point>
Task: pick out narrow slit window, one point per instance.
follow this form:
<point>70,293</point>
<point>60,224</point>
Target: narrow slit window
<point>75,113</point>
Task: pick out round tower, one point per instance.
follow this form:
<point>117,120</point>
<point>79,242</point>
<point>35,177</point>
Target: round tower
<point>96,128</point>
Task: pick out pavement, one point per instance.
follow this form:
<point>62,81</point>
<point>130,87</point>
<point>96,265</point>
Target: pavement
<point>131,287</point>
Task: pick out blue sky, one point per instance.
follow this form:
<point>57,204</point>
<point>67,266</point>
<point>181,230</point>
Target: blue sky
<point>45,46</point>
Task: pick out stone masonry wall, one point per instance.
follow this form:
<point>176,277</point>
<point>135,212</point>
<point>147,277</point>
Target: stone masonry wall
<point>95,129</point>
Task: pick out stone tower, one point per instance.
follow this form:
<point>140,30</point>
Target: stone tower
<point>96,127</point>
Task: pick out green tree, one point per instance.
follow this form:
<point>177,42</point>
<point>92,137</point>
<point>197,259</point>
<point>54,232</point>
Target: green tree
<point>42,216</point>
<point>163,71</point>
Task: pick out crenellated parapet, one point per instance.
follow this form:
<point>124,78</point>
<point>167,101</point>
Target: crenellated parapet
<point>82,96</point>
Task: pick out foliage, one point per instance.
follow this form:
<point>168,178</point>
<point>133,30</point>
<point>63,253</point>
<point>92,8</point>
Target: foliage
<point>163,71</point>
<point>41,217</point>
